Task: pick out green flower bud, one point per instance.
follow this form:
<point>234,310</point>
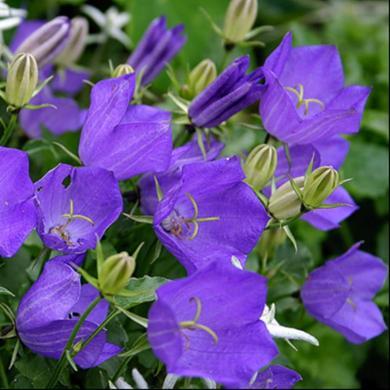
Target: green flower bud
<point>121,70</point>
<point>270,240</point>
<point>260,165</point>
<point>22,79</point>
<point>239,19</point>
<point>319,184</point>
<point>115,273</point>
<point>284,203</point>
<point>77,42</point>
<point>201,76</point>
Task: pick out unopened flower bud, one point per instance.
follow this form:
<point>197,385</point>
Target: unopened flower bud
<point>239,19</point>
<point>22,80</point>
<point>115,273</point>
<point>260,165</point>
<point>201,76</point>
<point>284,203</point>
<point>270,240</point>
<point>319,184</point>
<point>122,69</point>
<point>47,42</point>
<point>76,43</point>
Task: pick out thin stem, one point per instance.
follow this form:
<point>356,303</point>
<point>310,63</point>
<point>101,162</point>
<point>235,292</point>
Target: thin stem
<point>62,362</point>
<point>8,130</point>
<point>3,376</point>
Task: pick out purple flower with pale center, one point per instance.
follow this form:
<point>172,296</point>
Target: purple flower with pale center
<point>339,294</point>
<point>17,209</point>
<point>181,156</point>
<point>276,377</point>
<point>125,139</point>
<point>210,213</point>
<point>330,152</point>
<point>68,116</point>
<point>76,206</point>
<point>50,309</point>
<point>305,99</point>
<point>207,325</point>
<point>157,47</point>
<point>232,91</point>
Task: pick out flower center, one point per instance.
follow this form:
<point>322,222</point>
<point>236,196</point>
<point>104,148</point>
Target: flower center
<point>195,325</point>
<point>298,91</point>
<point>177,224</point>
<point>61,230</point>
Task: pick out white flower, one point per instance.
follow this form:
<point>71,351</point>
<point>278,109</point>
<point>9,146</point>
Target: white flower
<point>111,23</point>
<point>279,331</point>
<point>10,17</point>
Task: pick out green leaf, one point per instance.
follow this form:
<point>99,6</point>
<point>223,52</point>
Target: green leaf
<point>139,291</point>
<point>368,165</point>
<point>377,122</point>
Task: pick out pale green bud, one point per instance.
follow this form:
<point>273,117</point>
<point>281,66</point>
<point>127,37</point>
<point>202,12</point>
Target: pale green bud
<point>201,76</point>
<point>115,273</point>
<point>22,79</point>
<point>239,19</point>
<point>319,184</point>
<point>77,42</point>
<point>121,70</point>
<point>270,240</point>
<point>260,165</point>
<point>284,203</point>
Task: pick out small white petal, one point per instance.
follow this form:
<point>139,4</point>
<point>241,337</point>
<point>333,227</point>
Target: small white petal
<point>139,379</point>
<point>170,381</point>
<point>6,24</point>
<point>121,37</point>
<point>95,14</point>
<point>236,262</point>
<point>283,332</point>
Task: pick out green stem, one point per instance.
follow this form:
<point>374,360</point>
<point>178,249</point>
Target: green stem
<point>8,130</point>
<point>3,376</point>
<point>62,362</point>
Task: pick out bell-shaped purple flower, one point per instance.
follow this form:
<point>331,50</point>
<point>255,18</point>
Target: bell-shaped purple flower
<point>210,213</point>
<point>181,156</point>
<point>330,152</point>
<point>305,99</point>
<point>232,91</point>
<point>51,308</point>
<point>339,294</point>
<point>17,209</point>
<point>207,325</point>
<point>76,206</point>
<point>275,377</point>
<point>157,47</point>
<point>127,140</point>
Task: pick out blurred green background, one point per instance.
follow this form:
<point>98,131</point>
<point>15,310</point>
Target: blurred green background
<point>360,31</point>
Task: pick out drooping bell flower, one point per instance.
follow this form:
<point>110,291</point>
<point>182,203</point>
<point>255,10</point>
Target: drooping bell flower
<point>17,209</point>
<point>339,294</point>
<point>207,325</point>
<point>275,377</point>
<point>76,206</point>
<point>232,91</point>
<point>210,213</point>
<point>157,47</point>
<point>50,309</point>
<point>125,139</point>
<point>67,116</point>
<point>328,153</point>
<point>305,99</point>
<point>181,156</point>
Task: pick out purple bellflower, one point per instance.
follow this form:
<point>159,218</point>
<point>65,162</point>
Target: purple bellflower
<point>305,99</point>
<point>207,325</point>
<point>181,156</point>
<point>332,153</point>
<point>17,209</point>
<point>275,377</point>
<point>51,308</point>
<point>68,116</point>
<point>232,91</point>
<point>210,213</point>
<point>76,206</point>
<point>339,294</point>
<point>125,139</point>
<point>156,48</point>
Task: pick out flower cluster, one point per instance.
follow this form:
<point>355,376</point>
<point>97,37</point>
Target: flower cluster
<point>208,209</point>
